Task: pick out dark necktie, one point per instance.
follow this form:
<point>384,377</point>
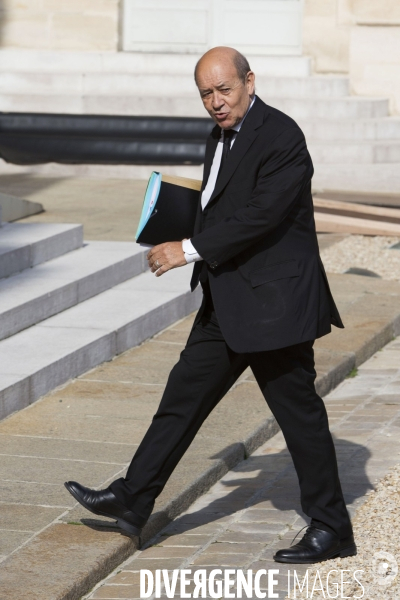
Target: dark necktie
<point>228,134</point>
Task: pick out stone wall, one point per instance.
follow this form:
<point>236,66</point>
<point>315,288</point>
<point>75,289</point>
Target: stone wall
<point>375,50</point>
<point>326,34</point>
<point>360,37</point>
<point>60,24</point>
<point>373,12</point>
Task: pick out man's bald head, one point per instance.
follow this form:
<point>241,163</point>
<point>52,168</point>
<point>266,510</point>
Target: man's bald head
<point>226,85</point>
<point>224,55</point>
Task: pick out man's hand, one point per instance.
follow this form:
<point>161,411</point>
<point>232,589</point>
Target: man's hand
<point>166,256</point>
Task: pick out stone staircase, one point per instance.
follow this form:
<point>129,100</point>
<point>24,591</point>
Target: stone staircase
<point>353,140</point>
<point>66,306</point>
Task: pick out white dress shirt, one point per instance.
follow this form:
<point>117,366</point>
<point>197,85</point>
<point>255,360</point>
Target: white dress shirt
<point>191,254</point>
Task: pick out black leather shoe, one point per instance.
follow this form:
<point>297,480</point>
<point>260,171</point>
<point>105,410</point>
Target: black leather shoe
<point>315,546</point>
<point>103,502</point>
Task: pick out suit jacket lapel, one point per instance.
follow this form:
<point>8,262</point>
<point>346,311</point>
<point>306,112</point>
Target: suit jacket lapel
<point>211,146</point>
<point>244,140</point>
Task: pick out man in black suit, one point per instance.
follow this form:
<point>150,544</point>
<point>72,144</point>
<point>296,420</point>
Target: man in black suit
<point>266,299</point>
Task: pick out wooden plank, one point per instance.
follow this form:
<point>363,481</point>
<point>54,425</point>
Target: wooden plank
<point>387,199</point>
<point>329,223</point>
<point>360,211</point>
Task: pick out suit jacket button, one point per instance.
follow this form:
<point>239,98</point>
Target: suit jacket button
<point>213,265</point>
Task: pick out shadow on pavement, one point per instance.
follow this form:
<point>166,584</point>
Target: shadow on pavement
<point>275,486</point>
<point>266,481</point>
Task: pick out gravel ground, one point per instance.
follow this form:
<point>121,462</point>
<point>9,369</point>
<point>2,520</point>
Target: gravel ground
<point>366,252</point>
<point>377,534</point>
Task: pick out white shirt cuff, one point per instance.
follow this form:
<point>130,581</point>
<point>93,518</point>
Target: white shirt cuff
<point>191,254</point>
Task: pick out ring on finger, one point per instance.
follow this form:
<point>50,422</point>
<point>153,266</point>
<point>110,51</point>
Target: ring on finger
<point>157,264</point>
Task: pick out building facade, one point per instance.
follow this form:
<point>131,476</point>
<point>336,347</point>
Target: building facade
<point>356,37</point>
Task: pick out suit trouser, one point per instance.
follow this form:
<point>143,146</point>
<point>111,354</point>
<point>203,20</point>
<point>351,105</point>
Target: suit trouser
<point>205,372</point>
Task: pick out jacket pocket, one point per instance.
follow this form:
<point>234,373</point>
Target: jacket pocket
<point>288,268</point>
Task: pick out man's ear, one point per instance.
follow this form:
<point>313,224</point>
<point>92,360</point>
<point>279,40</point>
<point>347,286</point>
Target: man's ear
<point>250,83</point>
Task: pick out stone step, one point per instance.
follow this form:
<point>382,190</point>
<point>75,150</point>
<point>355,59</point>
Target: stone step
<point>14,208</point>
<point>24,245</point>
<point>137,62</point>
<point>379,177</point>
<point>100,171</point>
<point>66,345</point>
<point>37,294</point>
<point>387,128</point>
<point>370,178</point>
<point>171,85</point>
<point>354,152</point>
<point>297,108</point>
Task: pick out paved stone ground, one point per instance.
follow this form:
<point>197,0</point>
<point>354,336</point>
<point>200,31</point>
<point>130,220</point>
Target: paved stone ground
<point>255,508</point>
<point>67,435</point>
<point>108,209</point>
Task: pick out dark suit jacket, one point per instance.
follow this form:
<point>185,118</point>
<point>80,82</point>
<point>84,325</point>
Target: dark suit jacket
<point>257,237</point>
